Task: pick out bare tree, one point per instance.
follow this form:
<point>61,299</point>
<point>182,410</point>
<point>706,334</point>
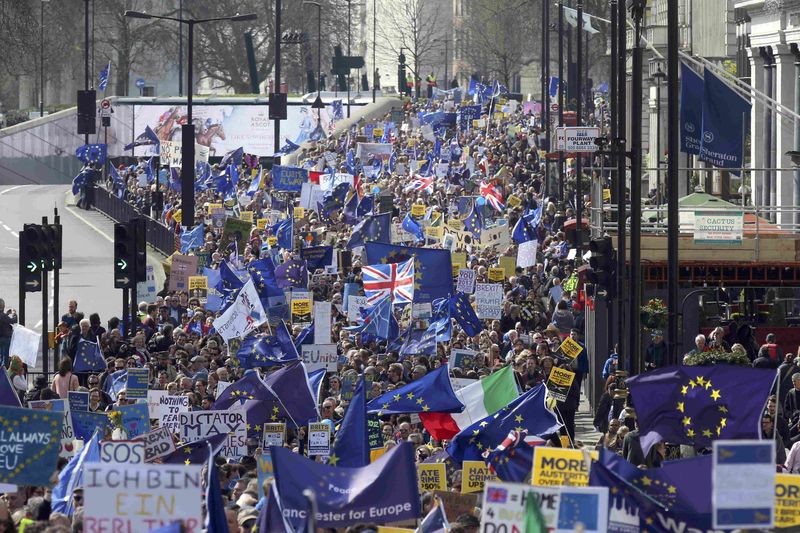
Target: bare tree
<point>412,27</point>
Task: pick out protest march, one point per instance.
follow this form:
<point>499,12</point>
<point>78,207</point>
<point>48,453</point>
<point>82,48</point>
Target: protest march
<point>383,330</point>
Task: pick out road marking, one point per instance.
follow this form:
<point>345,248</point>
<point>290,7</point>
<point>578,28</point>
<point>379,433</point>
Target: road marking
<point>15,234</point>
<point>6,228</point>
<point>38,325</point>
<point>10,248</point>
<point>88,223</point>
<point>4,191</point>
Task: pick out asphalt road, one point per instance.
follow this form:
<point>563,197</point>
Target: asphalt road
<point>86,275</point>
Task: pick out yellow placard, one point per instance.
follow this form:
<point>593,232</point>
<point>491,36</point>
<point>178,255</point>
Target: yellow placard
<point>459,258</point>
<point>198,282</point>
<point>417,210</point>
<point>374,455</point>
<point>246,216</point>
<point>178,216</point>
<point>787,500</point>
<point>455,224</point>
<point>434,232</point>
<point>377,132</point>
<point>508,264</point>
<point>272,241</point>
<point>301,307</point>
<point>384,529</point>
<point>560,466</point>
<point>561,377</point>
<point>261,223</point>
<point>456,268</point>
<point>299,212</point>
<point>213,206</point>
<point>570,348</point>
<point>432,476</point>
<point>411,143</point>
<point>476,474</point>
<point>606,195</point>
<point>514,201</point>
<point>497,274</point>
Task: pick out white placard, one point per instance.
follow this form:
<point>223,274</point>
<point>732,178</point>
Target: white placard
<point>489,300</point>
<point>466,280</point>
<point>743,484</point>
<point>319,439</point>
<point>274,435</point>
<point>146,290</point>
<point>154,403</point>
<point>197,425</point>
<point>354,306</point>
<point>221,386</point>
<point>122,451</point>
<point>25,344</point>
<point>169,410</point>
<point>244,316</point>
<point>316,356</point>
<point>496,236</point>
<point>526,254</point>
<point>170,153</point>
<point>322,322</point>
<point>157,443</point>
<point>140,498</point>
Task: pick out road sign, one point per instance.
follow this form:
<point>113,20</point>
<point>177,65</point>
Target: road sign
<point>105,107</point>
<point>140,82</point>
<point>554,108</point>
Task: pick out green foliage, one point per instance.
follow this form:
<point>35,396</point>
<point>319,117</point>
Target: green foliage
<point>716,357</point>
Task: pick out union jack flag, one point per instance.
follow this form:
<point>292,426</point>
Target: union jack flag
<point>493,196</point>
<point>395,281</point>
<point>421,184</point>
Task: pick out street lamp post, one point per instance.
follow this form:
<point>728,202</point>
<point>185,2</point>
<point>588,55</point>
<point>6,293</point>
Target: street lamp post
<point>374,34</point>
<point>658,77</point>
<point>187,131</point>
<point>318,102</point>
<point>41,59</point>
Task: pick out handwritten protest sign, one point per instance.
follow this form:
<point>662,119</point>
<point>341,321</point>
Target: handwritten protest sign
<point>197,425</point>
<point>139,498</point>
<point>489,300</point>
<point>157,443</point>
<point>170,407</point>
<point>122,451</point>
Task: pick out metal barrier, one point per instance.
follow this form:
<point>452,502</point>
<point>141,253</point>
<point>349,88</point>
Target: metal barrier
<point>159,236</point>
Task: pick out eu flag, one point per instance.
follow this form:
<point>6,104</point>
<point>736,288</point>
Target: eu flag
<point>350,209</point>
<point>462,311</point>
<point>433,269</point>
<point>8,396</point>
<point>31,443</point>
<point>317,257</point>
<point>215,508</point>
<point>381,492</point>
<point>441,324</point>
<point>115,382</point>
<point>84,423</point>
<point>334,199</point>
<point>195,453</point>
<point>629,508</point>
<point>695,405</point>
<point>522,231</point>
<point>512,460</point>
<point>88,357</point>
<point>365,206</point>
<point>474,222</point>
<point>375,228</point>
<point>411,226</point>
<point>292,273</point>
<point>262,271</point>
<point>105,73</point>
<point>255,185</point>
<point>351,447</point>
<point>146,138</point>
<point>378,321</point>
<point>284,231</point>
<point>267,351</point>
<point>193,238</point>
<point>233,157</point>
<point>91,153</point>
<point>526,413</point>
<point>432,393</point>
<point>418,342</point>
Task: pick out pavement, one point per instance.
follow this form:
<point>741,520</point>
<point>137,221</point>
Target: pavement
<point>87,252</point>
<point>584,429</point>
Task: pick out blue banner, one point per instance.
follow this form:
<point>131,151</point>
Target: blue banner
<point>317,257</point>
<point>466,114</point>
<point>30,441</point>
<point>381,492</point>
<point>289,179</point>
<point>725,120</point>
<point>137,383</point>
<point>691,110</point>
<point>135,419</point>
<point>85,422</point>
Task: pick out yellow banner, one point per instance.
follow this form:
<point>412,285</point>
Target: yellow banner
<point>261,223</point>
<point>514,201</point>
<point>417,210</point>
<point>435,232</point>
<point>213,206</point>
<point>476,474</point>
<point>570,348</point>
<point>246,216</point>
<point>459,258</point>
<point>508,264</point>
<point>559,466</point>
<point>198,282</point>
<point>301,307</point>
<point>299,212</point>
<point>272,241</point>
<point>562,377</point>
<point>787,500</point>
<point>497,274</point>
<point>432,476</point>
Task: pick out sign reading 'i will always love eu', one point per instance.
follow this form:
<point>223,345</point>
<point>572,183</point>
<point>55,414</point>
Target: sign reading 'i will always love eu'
<point>29,444</point>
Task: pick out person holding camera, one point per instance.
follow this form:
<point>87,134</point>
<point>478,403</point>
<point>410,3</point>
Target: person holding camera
<point>7,319</point>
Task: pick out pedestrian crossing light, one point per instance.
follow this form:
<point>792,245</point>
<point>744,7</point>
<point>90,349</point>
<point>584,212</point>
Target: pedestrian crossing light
<point>602,263</point>
<point>124,256</point>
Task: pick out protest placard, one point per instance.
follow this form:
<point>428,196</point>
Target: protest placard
<point>431,476</point>
<point>508,264</point>
<point>181,268</point>
<point>197,425</point>
<point>274,434</point>
<point>234,231</point>
<point>316,356</point>
<point>198,288</point>
<point>475,475</point>
<point>570,349</point>
<point>496,274</point>
<point>135,419</point>
<point>322,322</point>
<point>301,311</point>
<point>563,508</point>
<point>787,500</point>
<point>374,434</point>
<point>265,471</point>
<point>456,504</point>
<point>559,466</point>
<point>559,383</point>
<point>289,179</point>
<point>354,306</point>
<point>466,280</point>
<point>122,451</point>
<point>319,439</point>
<point>157,443</point>
<point>462,358</point>
<point>78,401</point>
<point>154,402</point>
<point>743,488</point>
<point>29,445</point>
<point>140,498</point>
<point>25,343</point>
<point>169,409</point>
<point>67,430</point>
<point>137,382</point>
<point>526,253</point>
<point>489,300</point>
<point>85,422</point>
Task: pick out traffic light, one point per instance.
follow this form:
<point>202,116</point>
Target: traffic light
<point>125,256</point>
<point>140,267</point>
<point>31,252</point>
<point>51,234</point>
<point>602,262</point>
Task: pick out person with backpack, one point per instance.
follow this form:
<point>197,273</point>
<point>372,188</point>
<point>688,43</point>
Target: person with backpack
<point>771,351</point>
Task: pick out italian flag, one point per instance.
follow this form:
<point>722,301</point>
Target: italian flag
<point>481,399</point>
